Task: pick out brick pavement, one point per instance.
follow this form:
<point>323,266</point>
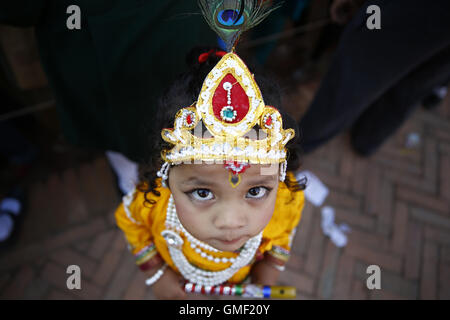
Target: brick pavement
<point>396,202</point>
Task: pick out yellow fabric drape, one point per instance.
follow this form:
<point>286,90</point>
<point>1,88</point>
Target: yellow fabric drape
<point>150,222</point>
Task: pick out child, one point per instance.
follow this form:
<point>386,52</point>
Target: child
<point>224,205</point>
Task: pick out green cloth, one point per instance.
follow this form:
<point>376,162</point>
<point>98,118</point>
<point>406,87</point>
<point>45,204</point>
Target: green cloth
<point>108,76</point>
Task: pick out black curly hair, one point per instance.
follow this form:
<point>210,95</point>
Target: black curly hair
<point>182,93</point>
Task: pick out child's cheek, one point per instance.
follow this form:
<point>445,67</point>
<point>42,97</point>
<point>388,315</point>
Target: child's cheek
<point>188,217</point>
<point>266,214</point>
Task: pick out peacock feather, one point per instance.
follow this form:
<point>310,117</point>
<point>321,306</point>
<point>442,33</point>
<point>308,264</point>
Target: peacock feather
<point>230,18</point>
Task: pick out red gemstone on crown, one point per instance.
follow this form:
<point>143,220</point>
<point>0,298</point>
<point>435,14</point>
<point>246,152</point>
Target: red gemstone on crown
<point>269,121</point>
<point>189,119</point>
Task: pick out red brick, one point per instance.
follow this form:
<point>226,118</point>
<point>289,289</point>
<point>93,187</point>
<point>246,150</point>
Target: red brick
<point>346,165</point>
<point>342,199</point>
<point>444,179</point>
<point>444,280</point>
<point>304,230</point>
<point>384,221</point>
<point>422,199</point>
<point>122,277</point>
<point>344,277</point>
<point>100,244</point>
<point>303,282</point>
<point>413,250</point>
<point>434,121</point>
<point>372,256</point>
<point>437,235</point>
<point>56,294</point>
<point>82,246</point>
<point>442,134</point>
<point>17,257</point>
<point>109,195</point>
<point>328,271</point>
<point>137,288</point>
<point>58,204</point>
<point>359,179</point>
<point>4,279</point>
<point>444,148</point>
<point>89,291</point>
<point>368,239</point>
<point>111,219</point>
<point>334,153</point>
<point>320,164</point>
<point>57,276</point>
<point>76,233</point>
<point>16,288</point>
<point>315,248</point>
<point>35,225</point>
<point>90,191</point>
<point>333,181</point>
<point>359,291</point>
<point>401,163</point>
<point>36,290</point>
<point>36,250</point>
<point>408,180</point>
<point>428,280</point>
<point>384,295</point>
<point>295,263</point>
<point>431,160</point>
<point>77,207</point>
<point>445,254</point>
<point>111,259</point>
<point>149,294</point>
<point>398,155</point>
<point>373,188</point>
<point>430,217</point>
<point>354,218</point>
<point>400,228</point>
<point>66,257</point>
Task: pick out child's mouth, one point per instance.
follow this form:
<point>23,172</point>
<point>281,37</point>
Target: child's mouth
<point>231,242</point>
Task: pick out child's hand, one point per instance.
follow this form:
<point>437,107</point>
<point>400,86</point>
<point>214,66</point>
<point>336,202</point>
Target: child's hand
<point>168,287</point>
<point>265,274</point>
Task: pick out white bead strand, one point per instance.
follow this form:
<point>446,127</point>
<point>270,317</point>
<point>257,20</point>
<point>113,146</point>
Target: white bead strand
<point>163,173</point>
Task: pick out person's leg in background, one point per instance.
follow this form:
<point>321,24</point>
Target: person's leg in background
<point>369,63</point>
<point>387,114</point>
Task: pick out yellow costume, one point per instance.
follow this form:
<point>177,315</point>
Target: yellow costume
<point>143,224</point>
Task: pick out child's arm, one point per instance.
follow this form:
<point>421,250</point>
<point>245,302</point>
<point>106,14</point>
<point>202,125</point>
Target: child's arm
<point>136,227</point>
<point>266,271</point>
<point>168,287</point>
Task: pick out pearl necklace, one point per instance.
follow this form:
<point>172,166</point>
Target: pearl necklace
<point>194,274</point>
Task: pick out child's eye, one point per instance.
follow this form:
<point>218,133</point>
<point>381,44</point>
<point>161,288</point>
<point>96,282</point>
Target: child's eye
<point>201,194</point>
<point>257,192</point>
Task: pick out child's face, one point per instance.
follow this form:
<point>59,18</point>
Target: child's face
<point>217,214</point>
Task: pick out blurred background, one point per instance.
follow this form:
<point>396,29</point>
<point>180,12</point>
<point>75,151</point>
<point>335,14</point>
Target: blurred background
<point>372,105</point>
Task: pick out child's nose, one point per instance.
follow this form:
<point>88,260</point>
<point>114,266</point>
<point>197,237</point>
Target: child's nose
<point>230,217</point>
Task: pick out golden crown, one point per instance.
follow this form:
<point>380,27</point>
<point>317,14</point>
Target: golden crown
<point>240,127</point>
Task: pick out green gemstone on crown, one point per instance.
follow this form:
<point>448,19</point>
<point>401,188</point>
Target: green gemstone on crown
<point>228,113</point>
